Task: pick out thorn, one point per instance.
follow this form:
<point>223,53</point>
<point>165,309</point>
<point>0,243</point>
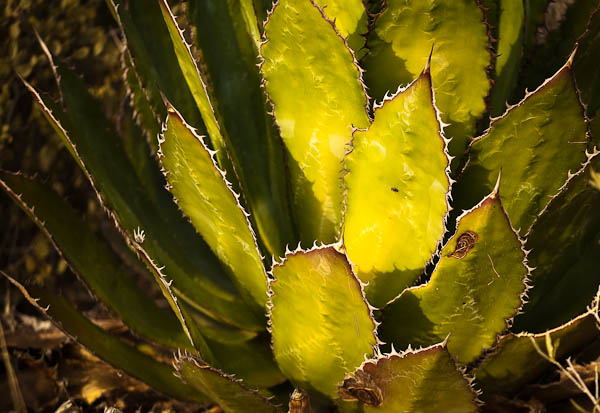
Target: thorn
<point>496,190</point>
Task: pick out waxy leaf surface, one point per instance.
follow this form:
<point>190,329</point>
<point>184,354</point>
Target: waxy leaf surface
<point>424,381</point>
<point>509,50</point>
<point>395,168</point>
<point>565,246</point>
<point>320,322</point>
<point>205,196</point>
<point>196,272</point>
<point>402,41</point>
<point>475,288</point>
<point>230,394</point>
<point>238,99</point>
<point>535,145</point>
<point>515,362</point>
<point>111,349</point>
<point>315,87</point>
<point>350,18</point>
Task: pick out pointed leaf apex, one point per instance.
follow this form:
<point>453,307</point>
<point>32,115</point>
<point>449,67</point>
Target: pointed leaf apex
<point>427,68</point>
<point>496,190</point>
<point>569,63</point>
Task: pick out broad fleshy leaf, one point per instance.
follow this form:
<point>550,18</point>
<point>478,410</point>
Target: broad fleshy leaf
<point>394,168</point>
<point>350,18</point>
<point>585,67</point>
<point>93,261</point>
<point>535,144</point>
<point>230,394</point>
<point>403,39</point>
<point>515,361</point>
<point>509,50</point>
<point>425,381</point>
<point>315,86</point>
<point>196,272</point>
<point>565,246</point>
<point>206,197</point>
<point>111,349</point>
<point>321,324</point>
<point>474,290</point>
<point>251,138</point>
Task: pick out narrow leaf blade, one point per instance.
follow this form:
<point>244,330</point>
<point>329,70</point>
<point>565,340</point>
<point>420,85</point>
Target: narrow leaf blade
<point>205,196</point>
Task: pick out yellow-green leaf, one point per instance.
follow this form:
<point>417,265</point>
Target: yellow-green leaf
<point>395,168</point>
<point>403,38</point>
<point>205,196</point>
<point>320,321</point>
<point>424,381</point>
<point>317,94</point>
<point>474,290</point>
<point>350,18</point>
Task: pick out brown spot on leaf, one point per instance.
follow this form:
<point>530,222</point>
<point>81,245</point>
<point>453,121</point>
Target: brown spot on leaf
<point>466,241</point>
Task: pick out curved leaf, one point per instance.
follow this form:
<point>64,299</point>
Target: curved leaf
<point>509,50</point>
<point>402,41</point>
<point>315,86</point>
<point>515,361</point>
<point>585,66</point>
<point>111,349</point>
<point>320,322</point>
<point>395,168</point>
<point>93,261</point>
<point>474,290</point>
<point>170,240</point>
<point>565,244</point>
<point>535,144</point>
<point>250,135</point>
<point>204,195</point>
<point>229,393</point>
<point>424,381</point>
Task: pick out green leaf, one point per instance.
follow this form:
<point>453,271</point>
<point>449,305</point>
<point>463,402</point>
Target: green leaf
<point>473,292</point>
<point>350,18</point>
<point>93,261</point>
<point>205,196</point>
<point>516,362</point>
<point>111,349</point>
<point>153,56</point>
<point>250,135</point>
<point>535,144</point>
<point>424,381</point>
<point>394,168</point>
<point>561,25</point>
<point>320,321</point>
<point>565,244</point>
<point>585,66</point>
<point>197,273</point>
<point>403,38</point>
<point>315,86</point>
<point>197,86</point>
<point>509,50</point>
<point>230,394</point>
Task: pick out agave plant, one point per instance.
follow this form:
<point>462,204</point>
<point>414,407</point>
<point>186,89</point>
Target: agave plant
<point>377,256</point>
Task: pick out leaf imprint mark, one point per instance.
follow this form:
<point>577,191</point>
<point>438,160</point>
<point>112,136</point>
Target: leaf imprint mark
<point>466,241</point>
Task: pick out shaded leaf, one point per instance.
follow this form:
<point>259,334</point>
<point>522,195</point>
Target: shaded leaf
<point>230,394</point>
<point>394,168</point>
<point>111,349</point>
<point>320,322</point>
<point>250,135</point>
<point>315,113</point>
<point>515,361</point>
<point>473,292</point>
<point>350,18</point>
<point>535,144</point>
<point>565,244</point>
